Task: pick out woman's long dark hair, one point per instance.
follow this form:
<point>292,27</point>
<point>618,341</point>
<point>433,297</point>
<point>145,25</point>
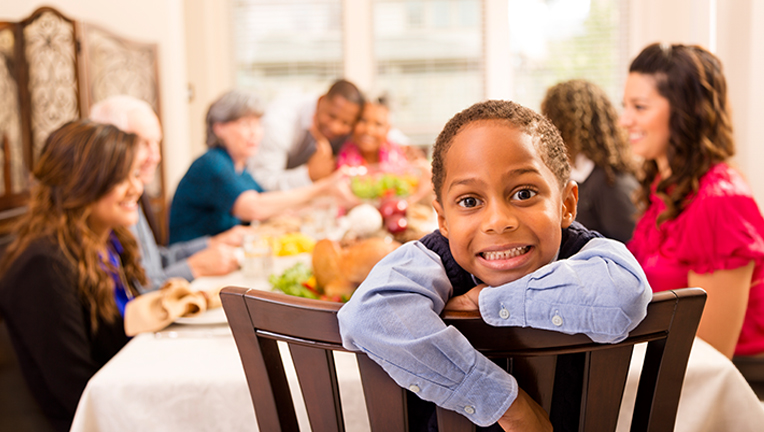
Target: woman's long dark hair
<point>80,163</point>
<point>692,80</point>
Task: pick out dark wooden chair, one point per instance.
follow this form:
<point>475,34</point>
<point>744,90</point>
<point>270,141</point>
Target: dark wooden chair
<point>752,369</point>
<point>595,374</point>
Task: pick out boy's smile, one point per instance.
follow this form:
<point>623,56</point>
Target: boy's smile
<point>502,208</point>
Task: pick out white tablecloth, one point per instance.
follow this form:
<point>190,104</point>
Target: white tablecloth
<point>715,397</point>
<point>190,378</point>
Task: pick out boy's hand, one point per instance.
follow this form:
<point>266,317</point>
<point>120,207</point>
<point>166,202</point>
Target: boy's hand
<point>467,301</point>
<point>525,415</point>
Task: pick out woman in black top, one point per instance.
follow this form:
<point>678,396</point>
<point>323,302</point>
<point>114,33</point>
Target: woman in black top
<point>70,271</point>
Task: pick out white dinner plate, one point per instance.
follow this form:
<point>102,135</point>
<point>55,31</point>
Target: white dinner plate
<point>211,316</point>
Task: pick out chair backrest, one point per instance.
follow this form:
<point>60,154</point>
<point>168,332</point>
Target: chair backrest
<point>580,383</point>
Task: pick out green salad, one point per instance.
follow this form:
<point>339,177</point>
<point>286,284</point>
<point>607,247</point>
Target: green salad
<point>295,281</point>
<point>377,186</point>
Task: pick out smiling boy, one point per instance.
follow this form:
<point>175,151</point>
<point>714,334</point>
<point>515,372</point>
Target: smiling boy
<point>507,245</point>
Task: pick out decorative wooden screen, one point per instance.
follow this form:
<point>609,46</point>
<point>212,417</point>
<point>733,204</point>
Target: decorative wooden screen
<point>53,70</point>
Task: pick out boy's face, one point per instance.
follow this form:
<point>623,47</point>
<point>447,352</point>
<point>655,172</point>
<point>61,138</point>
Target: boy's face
<point>335,117</point>
<point>502,208</point>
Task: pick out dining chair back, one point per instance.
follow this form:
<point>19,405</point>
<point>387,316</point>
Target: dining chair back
<point>580,383</point>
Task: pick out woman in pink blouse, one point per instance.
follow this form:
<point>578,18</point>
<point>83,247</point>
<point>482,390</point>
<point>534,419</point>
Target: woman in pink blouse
<point>701,226</point>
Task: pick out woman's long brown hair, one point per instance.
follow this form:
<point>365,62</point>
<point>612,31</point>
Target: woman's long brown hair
<point>80,163</point>
<point>692,80</point>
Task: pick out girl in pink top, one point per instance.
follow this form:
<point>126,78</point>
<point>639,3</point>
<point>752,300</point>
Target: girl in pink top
<point>701,226</point>
<point>369,146</point>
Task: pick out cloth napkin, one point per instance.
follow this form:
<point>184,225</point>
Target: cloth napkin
<point>157,309</point>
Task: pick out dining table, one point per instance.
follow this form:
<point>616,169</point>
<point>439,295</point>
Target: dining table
<point>189,377</point>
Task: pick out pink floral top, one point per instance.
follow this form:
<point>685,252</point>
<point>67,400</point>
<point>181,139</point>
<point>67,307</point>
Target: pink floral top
<point>392,158</point>
<point>721,229</point>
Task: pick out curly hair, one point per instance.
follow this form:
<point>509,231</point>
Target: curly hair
<point>80,163</point>
<point>692,81</point>
<point>544,135</point>
<point>588,124</point>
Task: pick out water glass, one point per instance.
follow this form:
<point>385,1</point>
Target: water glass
<point>257,256</point>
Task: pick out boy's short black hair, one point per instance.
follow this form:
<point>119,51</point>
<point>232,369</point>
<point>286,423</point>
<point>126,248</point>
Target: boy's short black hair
<point>545,137</point>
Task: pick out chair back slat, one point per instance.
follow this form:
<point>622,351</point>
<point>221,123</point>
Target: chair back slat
<point>603,384</point>
<point>385,400</point>
<point>534,377</point>
<point>665,364</point>
<point>270,393</point>
<point>579,382</point>
<point>318,383</point>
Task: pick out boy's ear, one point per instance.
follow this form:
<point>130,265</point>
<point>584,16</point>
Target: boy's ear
<point>569,203</point>
<point>442,224</point>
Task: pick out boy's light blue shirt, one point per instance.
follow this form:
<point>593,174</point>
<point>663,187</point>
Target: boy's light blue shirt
<point>394,318</point>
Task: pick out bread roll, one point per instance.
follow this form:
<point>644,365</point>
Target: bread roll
<point>339,270</point>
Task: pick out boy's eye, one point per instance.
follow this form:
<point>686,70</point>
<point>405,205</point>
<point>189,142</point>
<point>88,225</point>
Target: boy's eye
<point>468,202</point>
<point>524,194</point>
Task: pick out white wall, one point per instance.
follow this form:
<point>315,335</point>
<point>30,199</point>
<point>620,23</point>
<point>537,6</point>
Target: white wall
<point>155,21</point>
<point>209,62</point>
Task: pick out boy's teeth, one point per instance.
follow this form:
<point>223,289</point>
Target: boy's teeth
<point>510,253</point>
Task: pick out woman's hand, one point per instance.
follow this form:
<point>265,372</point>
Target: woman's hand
<point>525,415</point>
<point>338,186</point>
<point>218,259</point>
<point>468,301</point>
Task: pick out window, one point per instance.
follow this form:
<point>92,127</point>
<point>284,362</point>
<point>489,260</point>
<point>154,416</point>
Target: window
<point>557,40</point>
<point>429,55</point>
<point>287,45</point>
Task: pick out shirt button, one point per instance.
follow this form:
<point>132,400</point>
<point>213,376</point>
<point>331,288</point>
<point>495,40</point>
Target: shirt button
<point>414,388</point>
<point>557,320</point>
<point>504,313</point>
<point>469,409</point>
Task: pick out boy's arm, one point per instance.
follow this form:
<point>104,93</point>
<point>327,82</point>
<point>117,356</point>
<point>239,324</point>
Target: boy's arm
<point>601,291</point>
<point>394,318</point>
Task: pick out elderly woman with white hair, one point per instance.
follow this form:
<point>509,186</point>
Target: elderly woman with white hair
<point>203,256</point>
<point>217,193</point>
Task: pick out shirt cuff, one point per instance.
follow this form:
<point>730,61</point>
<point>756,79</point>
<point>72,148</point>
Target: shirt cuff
<point>485,394</point>
<point>179,269</point>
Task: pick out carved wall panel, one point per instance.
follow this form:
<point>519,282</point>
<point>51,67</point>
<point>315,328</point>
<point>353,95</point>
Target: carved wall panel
<point>52,70</point>
<point>13,171</point>
<point>114,66</point>
<point>52,61</point>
